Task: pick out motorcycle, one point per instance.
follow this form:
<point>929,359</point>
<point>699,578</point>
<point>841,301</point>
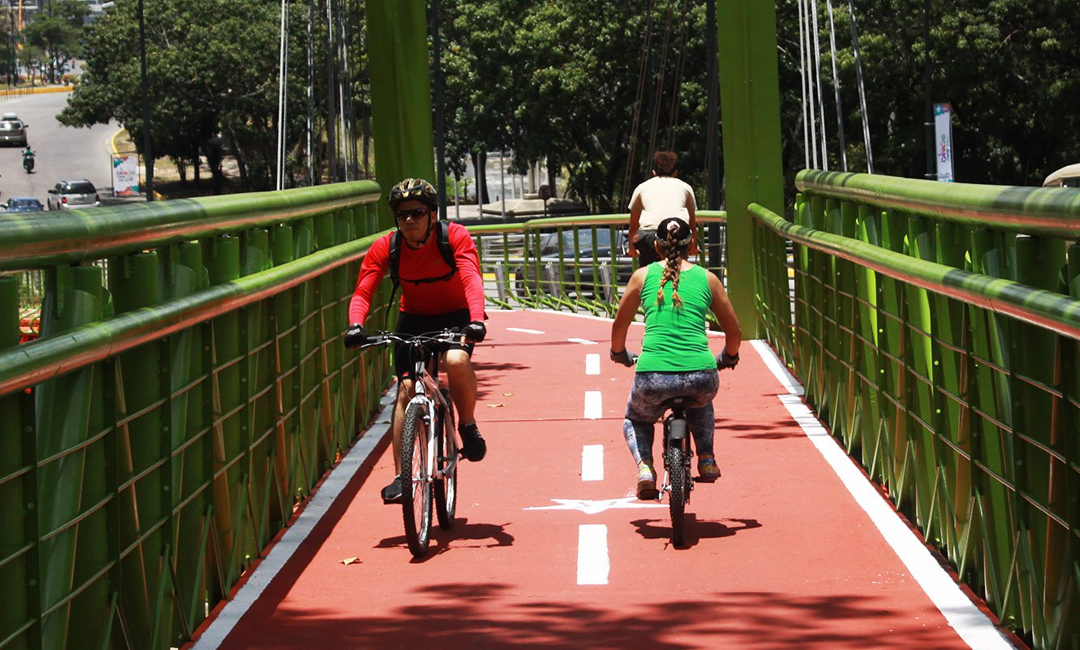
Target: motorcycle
<point>28,163</point>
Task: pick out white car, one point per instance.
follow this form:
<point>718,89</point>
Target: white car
<point>66,195</point>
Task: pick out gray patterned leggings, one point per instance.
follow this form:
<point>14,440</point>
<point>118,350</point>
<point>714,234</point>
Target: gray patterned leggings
<point>645,406</point>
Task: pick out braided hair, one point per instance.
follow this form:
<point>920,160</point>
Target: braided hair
<point>674,236</point>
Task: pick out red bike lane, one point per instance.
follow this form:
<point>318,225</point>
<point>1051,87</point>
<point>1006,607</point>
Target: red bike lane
<point>551,550</point>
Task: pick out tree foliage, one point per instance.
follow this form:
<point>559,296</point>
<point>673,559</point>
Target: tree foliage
<point>212,71</point>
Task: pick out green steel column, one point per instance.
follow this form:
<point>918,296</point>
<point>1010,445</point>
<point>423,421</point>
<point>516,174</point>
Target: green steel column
<point>13,615</point>
<point>223,264</point>
<point>68,410</point>
<point>133,279</point>
<point>750,103</point>
<point>400,93</point>
<point>186,275</point>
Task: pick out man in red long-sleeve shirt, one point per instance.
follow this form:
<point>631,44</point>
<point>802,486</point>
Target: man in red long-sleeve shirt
<point>434,296</point>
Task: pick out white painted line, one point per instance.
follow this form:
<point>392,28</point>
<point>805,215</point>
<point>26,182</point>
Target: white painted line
<point>592,463</point>
<point>592,364</point>
<point>593,405</point>
<point>582,341</point>
<point>283,550</point>
<point>523,330</point>
<point>777,367</point>
<point>593,565</point>
<point>971,624</point>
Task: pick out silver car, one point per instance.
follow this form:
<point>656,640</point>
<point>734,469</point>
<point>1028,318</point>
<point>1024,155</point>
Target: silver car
<point>73,194</point>
<point>12,130</point>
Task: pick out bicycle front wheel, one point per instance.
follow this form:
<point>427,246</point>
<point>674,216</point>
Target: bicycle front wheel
<point>416,478</point>
<point>674,460</point>
<point>446,488</point>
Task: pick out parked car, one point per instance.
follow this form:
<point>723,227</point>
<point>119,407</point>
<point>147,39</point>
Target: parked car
<point>12,130</point>
<point>580,283</point>
<point>23,204</point>
<point>66,195</point>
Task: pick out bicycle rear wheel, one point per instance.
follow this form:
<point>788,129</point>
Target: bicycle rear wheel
<point>416,478</point>
<point>446,488</point>
<point>674,460</point>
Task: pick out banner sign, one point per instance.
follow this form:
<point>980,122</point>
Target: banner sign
<point>125,173</point>
<point>943,140</point>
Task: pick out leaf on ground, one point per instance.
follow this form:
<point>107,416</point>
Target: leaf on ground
<point>495,406</point>
<point>508,394</point>
<point>351,560</point>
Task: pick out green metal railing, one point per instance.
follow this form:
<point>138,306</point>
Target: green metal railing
<point>189,387</point>
<point>935,328</point>
<point>573,263</point>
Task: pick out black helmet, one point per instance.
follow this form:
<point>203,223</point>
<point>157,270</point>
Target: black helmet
<point>674,231</point>
<point>412,189</point>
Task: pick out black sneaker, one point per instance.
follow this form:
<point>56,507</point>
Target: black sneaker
<point>392,493</point>
<point>473,446</point>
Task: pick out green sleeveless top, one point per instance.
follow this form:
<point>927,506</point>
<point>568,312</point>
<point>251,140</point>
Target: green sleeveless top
<point>675,338</point>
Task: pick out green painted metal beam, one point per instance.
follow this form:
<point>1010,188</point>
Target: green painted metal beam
<point>43,239</point>
<point>1049,211</point>
<point>750,103</point>
<point>400,93</point>
<point>1047,309</point>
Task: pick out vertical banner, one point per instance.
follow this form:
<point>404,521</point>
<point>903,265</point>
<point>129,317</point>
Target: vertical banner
<point>125,175</point>
<point>943,138</point>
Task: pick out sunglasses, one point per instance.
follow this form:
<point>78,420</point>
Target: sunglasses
<point>415,213</point>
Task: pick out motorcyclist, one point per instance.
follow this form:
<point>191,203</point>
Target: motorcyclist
<point>28,157</point>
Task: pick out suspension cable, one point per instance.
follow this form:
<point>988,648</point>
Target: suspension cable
<point>820,85</point>
<point>661,78</point>
<point>802,80</point>
<point>862,89</point>
<point>836,87</point>
<point>673,114</point>
<point>638,100</point>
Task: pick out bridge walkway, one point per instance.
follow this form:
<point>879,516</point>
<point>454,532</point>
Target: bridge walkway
<point>791,548</point>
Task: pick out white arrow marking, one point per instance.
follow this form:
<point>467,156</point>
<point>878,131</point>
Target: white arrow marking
<point>593,507</point>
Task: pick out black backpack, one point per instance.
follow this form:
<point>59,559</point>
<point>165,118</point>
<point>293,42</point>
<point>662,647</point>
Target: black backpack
<point>442,239</point>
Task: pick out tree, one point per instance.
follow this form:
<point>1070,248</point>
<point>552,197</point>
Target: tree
<point>58,33</point>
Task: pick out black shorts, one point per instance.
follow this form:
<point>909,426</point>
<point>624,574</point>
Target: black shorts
<point>644,244</point>
<point>413,324</point>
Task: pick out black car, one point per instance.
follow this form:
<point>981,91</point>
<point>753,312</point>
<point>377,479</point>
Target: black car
<point>573,275</point>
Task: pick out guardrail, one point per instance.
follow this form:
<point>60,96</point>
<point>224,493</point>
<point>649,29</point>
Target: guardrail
<point>574,263</point>
<point>935,327</point>
<point>188,389</point>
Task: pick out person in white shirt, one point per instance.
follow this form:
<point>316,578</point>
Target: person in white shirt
<point>658,198</point>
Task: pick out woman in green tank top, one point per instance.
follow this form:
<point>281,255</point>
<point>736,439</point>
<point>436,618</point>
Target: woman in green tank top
<point>675,358</point>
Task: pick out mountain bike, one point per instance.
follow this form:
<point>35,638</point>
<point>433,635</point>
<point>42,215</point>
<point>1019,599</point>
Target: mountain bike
<point>429,446</point>
<point>678,483</point>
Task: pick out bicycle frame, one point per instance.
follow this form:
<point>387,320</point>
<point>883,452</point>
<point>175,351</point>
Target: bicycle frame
<point>426,389</point>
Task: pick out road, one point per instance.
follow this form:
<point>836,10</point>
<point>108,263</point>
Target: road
<point>62,152</point>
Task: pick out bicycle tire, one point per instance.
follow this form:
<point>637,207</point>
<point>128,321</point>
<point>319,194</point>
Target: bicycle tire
<point>676,467</point>
<point>446,488</point>
<point>416,483</point>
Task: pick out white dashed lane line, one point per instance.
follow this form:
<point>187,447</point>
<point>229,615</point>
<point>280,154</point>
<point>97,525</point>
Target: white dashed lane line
<point>592,463</point>
<point>593,565</point>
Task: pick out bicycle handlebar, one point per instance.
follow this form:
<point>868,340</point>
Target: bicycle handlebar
<point>445,337</point>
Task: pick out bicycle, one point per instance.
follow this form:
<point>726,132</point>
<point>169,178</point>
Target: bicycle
<point>429,448</point>
<point>678,482</point>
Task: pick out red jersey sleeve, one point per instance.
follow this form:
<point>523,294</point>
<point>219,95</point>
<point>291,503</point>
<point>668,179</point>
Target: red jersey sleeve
<point>468,263</point>
<point>372,270</point>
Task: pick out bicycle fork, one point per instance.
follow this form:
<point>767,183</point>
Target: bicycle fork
<point>675,434</point>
